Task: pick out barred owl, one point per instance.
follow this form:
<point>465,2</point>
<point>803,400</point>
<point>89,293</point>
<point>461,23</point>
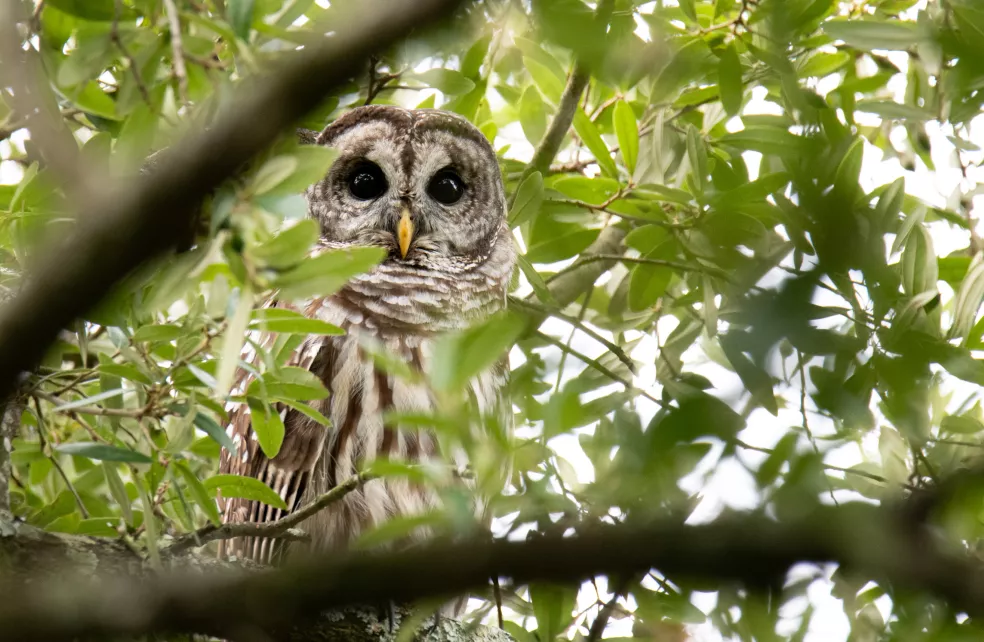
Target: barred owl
<point>425,185</point>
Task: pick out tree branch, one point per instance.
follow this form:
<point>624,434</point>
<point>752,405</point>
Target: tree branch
<point>126,224</point>
<point>751,549</point>
<point>279,528</point>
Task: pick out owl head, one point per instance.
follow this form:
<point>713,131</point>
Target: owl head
<point>422,183</point>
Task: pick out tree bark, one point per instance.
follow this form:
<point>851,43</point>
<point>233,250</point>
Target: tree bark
<point>32,555</point>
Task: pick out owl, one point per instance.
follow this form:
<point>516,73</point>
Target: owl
<point>424,184</point>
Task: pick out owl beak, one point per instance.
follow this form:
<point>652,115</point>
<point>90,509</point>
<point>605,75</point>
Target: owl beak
<point>404,232</point>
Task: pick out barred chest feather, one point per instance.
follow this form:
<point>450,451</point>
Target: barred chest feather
<point>401,311</point>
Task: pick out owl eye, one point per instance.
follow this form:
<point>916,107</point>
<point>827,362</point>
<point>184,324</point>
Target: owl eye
<point>446,187</point>
<point>367,181</point>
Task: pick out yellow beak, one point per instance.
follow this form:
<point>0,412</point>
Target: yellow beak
<point>404,233</point>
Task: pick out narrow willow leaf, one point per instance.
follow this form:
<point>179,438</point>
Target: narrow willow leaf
<point>210,427</point>
<point>920,271</point>
<point>118,490</point>
<point>592,139</point>
<point>102,452</point>
<point>198,491</point>
<point>88,401</point>
<point>730,80</point>
<point>150,525</point>
<point>244,488</point>
<point>967,301</point>
<point>627,132</point>
<point>232,342</point>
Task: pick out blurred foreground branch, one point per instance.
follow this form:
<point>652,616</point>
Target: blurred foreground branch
<point>750,549</point>
<point>122,226</point>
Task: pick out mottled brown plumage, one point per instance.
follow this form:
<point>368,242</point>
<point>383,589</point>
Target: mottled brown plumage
<point>440,172</point>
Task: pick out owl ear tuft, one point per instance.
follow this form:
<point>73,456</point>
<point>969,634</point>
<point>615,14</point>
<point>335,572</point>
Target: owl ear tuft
<point>307,136</point>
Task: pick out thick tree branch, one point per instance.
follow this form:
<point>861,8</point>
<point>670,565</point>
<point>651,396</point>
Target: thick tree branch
<point>124,225</point>
<point>751,549</point>
<point>278,528</point>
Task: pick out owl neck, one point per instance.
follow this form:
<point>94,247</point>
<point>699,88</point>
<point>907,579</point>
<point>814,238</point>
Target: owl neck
<point>398,299</point>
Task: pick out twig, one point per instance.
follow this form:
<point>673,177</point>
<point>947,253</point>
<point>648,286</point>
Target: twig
<point>94,410</point>
<point>278,529</point>
<point>54,461</point>
<point>579,324</point>
<point>114,34</point>
<point>683,267</point>
<point>177,49</point>
<point>593,363</point>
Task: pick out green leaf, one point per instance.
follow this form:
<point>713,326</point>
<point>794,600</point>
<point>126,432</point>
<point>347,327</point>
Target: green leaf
<point>162,332</point>
<point>304,409</point>
<point>327,272</point>
<point>756,380</point>
<point>872,34</point>
<point>459,357</point>
<point>447,81</point>
<point>290,382</point>
<point>920,271</point>
<point>313,162</point>
<point>232,342</point>
<point>198,491</point>
<point>291,322</point>
<point>553,606</point>
<point>532,115</point>
<point>894,111</point>
<point>766,140</point>
<point>290,246</point>
<point>647,283</point>
<point>273,172</point>
<point>730,81</point>
<point>88,401</point>
<point>545,80</point>
<point>239,13</point>
<point>268,426</point>
<point>245,488</point>
<point>627,132</point>
<point>689,10</point>
<point>529,197</point>
<point>592,139</point>
<point>102,452</point>
<point>210,427</point>
<point>96,10</point>
<point>118,490</point>
<point>769,470</point>
<point>961,424</point>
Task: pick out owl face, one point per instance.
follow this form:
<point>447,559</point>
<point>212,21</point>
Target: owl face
<point>423,183</point>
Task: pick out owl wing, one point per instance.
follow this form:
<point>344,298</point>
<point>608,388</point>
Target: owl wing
<point>287,473</point>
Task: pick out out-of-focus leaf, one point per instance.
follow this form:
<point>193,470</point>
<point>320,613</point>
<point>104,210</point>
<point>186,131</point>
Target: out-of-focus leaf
<point>730,80</point>
<point>446,80</point>
<point>240,16</point>
<point>873,34</point>
<point>327,272</point>
<point>102,452</point>
<point>627,132</point>
<point>459,357</point>
<point>244,488</point>
<point>529,197</point>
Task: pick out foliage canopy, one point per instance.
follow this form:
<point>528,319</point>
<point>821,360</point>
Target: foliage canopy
<point>766,312</point>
